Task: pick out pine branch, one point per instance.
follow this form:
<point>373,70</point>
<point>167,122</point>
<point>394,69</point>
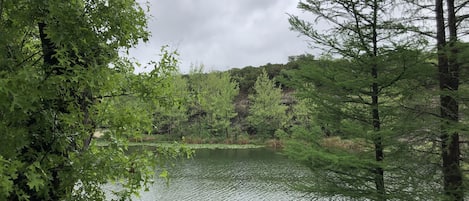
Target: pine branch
<point>420,111</point>
<point>461,6</point>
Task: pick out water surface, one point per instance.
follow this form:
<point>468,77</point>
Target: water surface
<point>231,174</point>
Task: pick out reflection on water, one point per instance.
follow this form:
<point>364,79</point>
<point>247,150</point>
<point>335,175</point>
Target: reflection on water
<point>232,174</point>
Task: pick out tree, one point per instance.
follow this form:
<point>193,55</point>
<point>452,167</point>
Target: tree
<point>246,77</point>
<point>171,118</point>
<point>448,18</point>
<point>214,94</point>
<point>60,74</point>
<point>449,69</point>
<point>266,112</point>
<point>220,91</point>
<point>358,97</point>
<point>301,114</point>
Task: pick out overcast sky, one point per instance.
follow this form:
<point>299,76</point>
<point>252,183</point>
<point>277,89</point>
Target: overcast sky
<point>222,34</point>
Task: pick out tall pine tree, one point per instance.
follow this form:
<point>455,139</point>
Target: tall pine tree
<point>359,98</point>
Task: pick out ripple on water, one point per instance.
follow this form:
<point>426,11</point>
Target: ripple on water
<point>252,174</point>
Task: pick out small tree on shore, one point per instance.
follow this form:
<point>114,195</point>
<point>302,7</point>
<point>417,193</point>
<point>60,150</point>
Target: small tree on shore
<point>213,101</point>
<point>267,114</point>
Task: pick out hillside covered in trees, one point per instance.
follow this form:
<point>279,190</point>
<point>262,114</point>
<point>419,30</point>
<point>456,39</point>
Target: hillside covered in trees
<point>381,115</point>
<point>220,106</point>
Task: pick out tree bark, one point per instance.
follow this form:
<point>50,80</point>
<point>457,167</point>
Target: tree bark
<point>51,68</point>
<point>38,146</point>
<point>448,70</point>
<point>379,154</point>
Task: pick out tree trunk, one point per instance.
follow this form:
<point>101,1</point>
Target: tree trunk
<point>379,155</point>
<point>39,145</point>
<point>448,70</point>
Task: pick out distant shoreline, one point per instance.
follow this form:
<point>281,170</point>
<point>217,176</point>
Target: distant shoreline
<point>190,146</point>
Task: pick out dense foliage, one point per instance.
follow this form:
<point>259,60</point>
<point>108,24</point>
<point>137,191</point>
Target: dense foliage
<point>61,80</point>
<point>212,106</point>
<point>387,130</point>
<point>268,114</point>
<point>380,116</point>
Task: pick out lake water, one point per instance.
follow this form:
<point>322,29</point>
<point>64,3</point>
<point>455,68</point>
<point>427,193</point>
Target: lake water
<point>231,174</point>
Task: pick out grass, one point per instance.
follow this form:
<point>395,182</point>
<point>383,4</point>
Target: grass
<point>190,146</point>
<point>337,143</point>
<point>223,146</point>
<point>192,142</point>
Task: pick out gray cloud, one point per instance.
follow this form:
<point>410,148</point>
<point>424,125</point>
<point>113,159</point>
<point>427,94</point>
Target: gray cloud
<point>222,34</point>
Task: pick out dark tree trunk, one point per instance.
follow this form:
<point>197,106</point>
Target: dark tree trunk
<point>379,155</point>
<point>51,65</point>
<point>448,70</point>
<point>38,142</point>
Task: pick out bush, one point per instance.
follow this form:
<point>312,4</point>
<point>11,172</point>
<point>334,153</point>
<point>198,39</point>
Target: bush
<point>274,143</point>
<point>243,139</point>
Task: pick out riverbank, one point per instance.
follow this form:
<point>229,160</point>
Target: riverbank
<point>190,146</point>
<point>195,142</point>
<point>242,142</point>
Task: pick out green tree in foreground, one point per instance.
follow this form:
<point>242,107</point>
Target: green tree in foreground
<point>57,87</point>
<point>449,70</point>
<point>366,134</point>
<point>447,34</point>
<point>267,114</point>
